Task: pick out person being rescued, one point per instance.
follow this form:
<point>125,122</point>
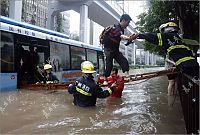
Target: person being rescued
<point>85,90</point>
<point>48,75</point>
<point>114,78</point>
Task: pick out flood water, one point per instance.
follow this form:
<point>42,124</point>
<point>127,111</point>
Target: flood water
<point>144,108</point>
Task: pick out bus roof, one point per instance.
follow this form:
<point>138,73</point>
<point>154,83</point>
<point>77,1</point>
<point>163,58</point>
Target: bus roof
<point>31,27</point>
<point>23,28</point>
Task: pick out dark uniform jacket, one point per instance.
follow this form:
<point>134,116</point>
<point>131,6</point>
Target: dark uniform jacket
<point>175,49</point>
<point>51,77</point>
<point>86,92</point>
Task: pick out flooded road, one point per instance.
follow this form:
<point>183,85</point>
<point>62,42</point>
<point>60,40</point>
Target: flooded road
<point>144,108</point>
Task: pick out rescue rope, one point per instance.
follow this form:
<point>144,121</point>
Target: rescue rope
<point>127,83</point>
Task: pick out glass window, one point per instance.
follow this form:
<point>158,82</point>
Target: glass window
<point>7,52</point>
<point>59,56</point>
<point>92,57</point>
<point>77,57</point>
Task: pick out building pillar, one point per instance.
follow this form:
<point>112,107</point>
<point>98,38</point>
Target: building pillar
<point>15,10</point>
<point>140,56</point>
<point>152,59</point>
<point>84,27</point>
<point>134,53</point>
<point>147,58</point>
<point>91,32</point>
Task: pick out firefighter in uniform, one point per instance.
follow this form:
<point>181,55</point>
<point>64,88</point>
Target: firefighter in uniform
<point>49,76</point>
<point>177,51</point>
<point>85,90</point>
<point>172,44</point>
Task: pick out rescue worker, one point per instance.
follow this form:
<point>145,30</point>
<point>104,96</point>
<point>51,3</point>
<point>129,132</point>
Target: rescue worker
<point>115,78</point>
<point>111,48</point>
<point>49,76</point>
<point>172,44</point>
<point>85,90</point>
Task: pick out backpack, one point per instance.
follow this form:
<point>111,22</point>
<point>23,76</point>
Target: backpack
<point>104,36</point>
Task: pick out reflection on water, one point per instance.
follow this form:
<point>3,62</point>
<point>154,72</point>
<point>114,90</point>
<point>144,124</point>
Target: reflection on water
<point>144,108</point>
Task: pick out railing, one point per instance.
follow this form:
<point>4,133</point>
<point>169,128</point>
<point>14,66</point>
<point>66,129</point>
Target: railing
<point>189,95</point>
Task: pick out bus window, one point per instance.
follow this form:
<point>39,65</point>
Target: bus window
<point>92,57</point>
<point>59,56</point>
<point>7,52</point>
<point>77,56</point>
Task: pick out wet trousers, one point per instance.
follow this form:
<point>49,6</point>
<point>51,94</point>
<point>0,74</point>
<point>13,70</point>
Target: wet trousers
<point>118,56</point>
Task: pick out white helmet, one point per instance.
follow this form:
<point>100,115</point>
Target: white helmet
<point>47,66</point>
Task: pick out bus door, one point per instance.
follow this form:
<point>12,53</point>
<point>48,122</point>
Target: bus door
<point>30,56</point>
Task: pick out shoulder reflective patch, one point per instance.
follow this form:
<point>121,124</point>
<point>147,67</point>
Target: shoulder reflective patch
<point>184,59</point>
<point>83,92</point>
<point>110,91</point>
<point>176,47</point>
<point>160,43</point>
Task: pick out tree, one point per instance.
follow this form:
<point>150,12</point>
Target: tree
<point>4,8</point>
<point>59,21</point>
<point>184,13</point>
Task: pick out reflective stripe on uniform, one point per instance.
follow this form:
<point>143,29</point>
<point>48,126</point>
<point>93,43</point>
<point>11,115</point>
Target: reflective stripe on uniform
<point>83,92</point>
<point>110,91</point>
<point>160,43</point>
<point>184,59</point>
<point>176,47</point>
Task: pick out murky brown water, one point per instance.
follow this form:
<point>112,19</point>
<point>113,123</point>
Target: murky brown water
<point>144,108</point>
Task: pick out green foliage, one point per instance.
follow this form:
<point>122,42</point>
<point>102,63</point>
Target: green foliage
<point>4,7</point>
<point>59,23</point>
<point>185,12</point>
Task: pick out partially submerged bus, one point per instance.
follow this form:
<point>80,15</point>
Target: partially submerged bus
<point>65,55</point>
